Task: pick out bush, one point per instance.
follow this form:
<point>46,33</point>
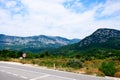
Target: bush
<point>74,64</point>
<point>35,61</point>
<point>46,63</point>
<point>108,68</point>
<point>94,71</point>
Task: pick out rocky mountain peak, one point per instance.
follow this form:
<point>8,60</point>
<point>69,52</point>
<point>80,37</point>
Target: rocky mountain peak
<point>107,32</point>
<point>100,36</point>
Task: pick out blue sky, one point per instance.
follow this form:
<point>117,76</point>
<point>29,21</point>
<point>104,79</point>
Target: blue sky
<point>81,6</point>
<point>66,18</point>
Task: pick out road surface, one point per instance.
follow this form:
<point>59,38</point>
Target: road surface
<point>13,71</point>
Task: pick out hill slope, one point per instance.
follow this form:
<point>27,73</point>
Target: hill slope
<point>102,42</point>
<point>100,36</point>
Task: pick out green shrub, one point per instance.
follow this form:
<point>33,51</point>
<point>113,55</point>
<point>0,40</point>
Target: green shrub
<point>108,68</point>
<point>46,63</point>
<point>74,63</point>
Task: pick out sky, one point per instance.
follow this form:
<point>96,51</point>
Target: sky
<point>66,18</point>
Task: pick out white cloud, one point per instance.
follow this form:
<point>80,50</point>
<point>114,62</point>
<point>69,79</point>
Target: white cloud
<point>50,17</point>
<point>111,7</point>
<point>11,4</point>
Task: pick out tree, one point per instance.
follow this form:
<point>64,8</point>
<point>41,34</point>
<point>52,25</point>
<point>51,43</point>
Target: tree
<point>108,68</point>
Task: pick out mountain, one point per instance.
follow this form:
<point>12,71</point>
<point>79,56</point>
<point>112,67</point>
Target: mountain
<point>100,36</point>
<point>33,43</point>
<point>102,42</point>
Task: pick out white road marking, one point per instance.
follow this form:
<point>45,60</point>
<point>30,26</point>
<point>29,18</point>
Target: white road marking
<point>40,77</point>
<point>22,69</point>
<point>8,72</point>
<point>23,77</point>
<point>14,74</point>
<point>63,77</point>
<point>48,69</point>
<point>37,72</point>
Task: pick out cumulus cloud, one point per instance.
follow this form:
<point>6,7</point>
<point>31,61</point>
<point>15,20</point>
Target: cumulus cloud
<point>111,7</point>
<point>67,18</point>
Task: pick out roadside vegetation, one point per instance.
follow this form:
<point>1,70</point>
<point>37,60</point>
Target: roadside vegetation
<point>99,65</point>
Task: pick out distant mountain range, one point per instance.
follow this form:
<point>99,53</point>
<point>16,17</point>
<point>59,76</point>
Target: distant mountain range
<point>33,43</point>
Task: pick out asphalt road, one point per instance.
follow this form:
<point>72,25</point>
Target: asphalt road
<point>12,71</point>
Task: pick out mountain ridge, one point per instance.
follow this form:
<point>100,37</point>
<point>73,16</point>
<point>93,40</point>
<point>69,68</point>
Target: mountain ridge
<point>101,42</point>
<point>100,36</point>
<point>33,42</point>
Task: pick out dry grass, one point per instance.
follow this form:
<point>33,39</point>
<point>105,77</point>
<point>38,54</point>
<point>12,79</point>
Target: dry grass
<point>117,74</point>
<point>89,67</point>
<point>15,60</point>
<point>94,71</point>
